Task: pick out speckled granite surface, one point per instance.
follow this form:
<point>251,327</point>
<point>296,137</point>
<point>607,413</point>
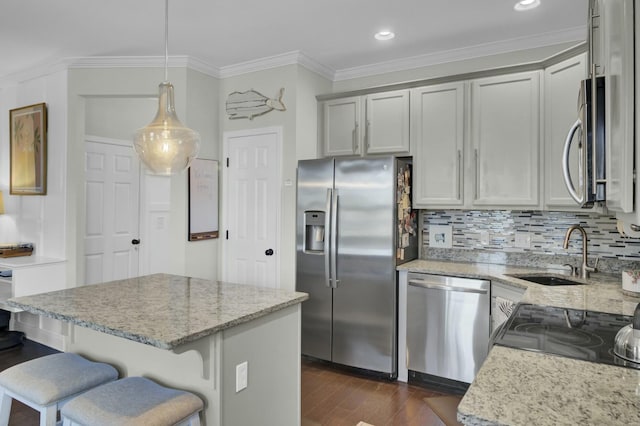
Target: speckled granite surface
<point>516,387</point>
<point>160,310</point>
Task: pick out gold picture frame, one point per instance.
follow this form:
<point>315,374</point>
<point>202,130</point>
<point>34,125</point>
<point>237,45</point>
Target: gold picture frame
<point>28,150</point>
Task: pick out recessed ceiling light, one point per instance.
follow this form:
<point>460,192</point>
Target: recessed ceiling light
<point>526,5</point>
<point>384,35</point>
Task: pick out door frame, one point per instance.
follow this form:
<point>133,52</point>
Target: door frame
<point>226,136</point>
<point>142,215</point>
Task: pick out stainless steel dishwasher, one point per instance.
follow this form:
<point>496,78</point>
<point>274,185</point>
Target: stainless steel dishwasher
<point>447,326</point>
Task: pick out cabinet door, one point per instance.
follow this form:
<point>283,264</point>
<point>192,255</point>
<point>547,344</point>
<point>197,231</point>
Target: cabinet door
<point>342,126</point>
<point>561,86</point>
<point>616,62</point>
<point>437,117</point>
<point>505,141</point>
<point>388,122</point>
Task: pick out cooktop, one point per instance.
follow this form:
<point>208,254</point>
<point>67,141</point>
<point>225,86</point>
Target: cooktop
<point>573,333</point>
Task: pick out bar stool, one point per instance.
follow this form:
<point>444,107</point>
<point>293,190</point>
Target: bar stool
<point>133,401</point>
<point>47,383</point>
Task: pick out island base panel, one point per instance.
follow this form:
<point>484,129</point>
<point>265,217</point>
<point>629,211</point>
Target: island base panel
<point>207,367</point>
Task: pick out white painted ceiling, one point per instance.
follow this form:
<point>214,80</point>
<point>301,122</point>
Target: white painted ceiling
<point>223,33</point>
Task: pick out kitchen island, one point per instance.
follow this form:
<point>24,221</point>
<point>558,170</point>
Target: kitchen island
<point>518,387</point>
<point>191,334</point>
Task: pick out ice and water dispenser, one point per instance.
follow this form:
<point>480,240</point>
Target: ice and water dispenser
<point>314,231</point>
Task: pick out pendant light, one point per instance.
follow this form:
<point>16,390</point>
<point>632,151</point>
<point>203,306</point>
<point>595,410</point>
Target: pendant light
<point>165,146</point>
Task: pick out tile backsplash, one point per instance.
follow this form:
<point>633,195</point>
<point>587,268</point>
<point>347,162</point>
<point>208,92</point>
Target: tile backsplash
<point>491,236</point>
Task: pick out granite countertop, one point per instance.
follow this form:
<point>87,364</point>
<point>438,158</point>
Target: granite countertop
<point>517,387</point>
<point>160,310</point>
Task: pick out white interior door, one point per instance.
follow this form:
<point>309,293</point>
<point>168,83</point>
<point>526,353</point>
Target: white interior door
<point>252,200</point>
<point>112,189</point>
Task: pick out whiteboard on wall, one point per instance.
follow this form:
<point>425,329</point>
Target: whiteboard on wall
<point>203,200</point>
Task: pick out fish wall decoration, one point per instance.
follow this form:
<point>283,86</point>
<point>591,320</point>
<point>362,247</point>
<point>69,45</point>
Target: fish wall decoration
<point>251,104</point>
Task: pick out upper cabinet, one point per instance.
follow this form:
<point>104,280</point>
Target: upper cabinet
<point>372,124</point>
<point>561,86</point>
<point>342,126</point>
<point>387,120</point>
<point>611,45</point>
<point>505,140</point>
<point>437,119</point>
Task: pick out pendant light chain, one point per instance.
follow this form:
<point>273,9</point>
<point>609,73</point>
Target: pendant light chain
<point>166,40</point>
<point>165,146</point>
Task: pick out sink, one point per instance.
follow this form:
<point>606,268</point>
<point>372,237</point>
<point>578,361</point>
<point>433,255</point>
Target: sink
<point>547,279</point>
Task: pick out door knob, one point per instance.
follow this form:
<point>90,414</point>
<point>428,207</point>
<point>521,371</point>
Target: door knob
<point>135,241</point>
<point>269,252</point>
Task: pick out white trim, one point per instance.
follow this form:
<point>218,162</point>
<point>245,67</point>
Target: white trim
<point>288,58</point>
<point>576,34</point>
<point>109,141</point>
<point>226,136</point>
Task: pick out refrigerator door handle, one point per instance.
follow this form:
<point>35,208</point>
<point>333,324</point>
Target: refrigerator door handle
<point>327,227</point>
<point>334,238</point>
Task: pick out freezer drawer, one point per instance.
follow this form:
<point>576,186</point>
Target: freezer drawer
<point>447,325</point>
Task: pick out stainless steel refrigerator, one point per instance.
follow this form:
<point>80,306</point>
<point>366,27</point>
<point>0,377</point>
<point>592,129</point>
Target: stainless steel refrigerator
<point>354,226</point>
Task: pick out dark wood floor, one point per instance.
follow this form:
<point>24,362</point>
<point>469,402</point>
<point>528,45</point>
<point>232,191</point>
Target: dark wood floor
<point>330,396</point>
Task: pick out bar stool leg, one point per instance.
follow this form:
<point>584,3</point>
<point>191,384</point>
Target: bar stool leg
<point>5,408</point>
<point>48,415</point>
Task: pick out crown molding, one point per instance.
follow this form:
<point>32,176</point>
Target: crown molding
<point>143,62</point>
<point>288,58</point>
<point>577,34</point>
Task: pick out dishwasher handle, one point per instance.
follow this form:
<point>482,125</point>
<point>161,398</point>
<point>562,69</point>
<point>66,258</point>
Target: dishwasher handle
<point>444,287</point>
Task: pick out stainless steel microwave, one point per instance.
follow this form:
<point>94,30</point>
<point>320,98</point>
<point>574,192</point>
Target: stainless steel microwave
<point>590,130</point>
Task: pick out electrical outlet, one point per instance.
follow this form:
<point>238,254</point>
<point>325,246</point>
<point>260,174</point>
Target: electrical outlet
<point>241,375</point>
<point>523,240</point>
<point>484,238</point>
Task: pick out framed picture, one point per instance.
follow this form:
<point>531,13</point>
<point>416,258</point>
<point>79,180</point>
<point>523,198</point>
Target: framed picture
<point>203,200</point>
<point>28,150</point>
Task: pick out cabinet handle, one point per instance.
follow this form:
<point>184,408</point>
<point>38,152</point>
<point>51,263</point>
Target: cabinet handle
<point>594,129</point>
<point>355,138</point>
<point>477,188</point>
<point>459,173</point>
<point>367,132</point>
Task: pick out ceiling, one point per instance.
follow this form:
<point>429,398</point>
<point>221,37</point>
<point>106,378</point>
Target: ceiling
<point>338,34</point>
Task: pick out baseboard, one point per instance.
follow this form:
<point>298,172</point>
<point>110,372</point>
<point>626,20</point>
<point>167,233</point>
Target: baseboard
<point>37,334</point>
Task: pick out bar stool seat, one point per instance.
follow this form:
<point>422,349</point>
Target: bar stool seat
<point>47,383</point>
<point>133,401</point>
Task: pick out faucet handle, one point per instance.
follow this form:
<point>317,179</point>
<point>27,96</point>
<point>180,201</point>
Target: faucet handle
<point>574,269</point>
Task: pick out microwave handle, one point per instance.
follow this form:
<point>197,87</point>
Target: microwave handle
<point>565,164</point>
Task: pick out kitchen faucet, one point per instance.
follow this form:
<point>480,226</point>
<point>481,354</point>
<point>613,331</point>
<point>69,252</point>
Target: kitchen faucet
<point>585,268</point>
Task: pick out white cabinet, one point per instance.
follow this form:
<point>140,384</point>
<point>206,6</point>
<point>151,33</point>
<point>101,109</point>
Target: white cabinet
<point>342,126</point>
<point>386,124</point>
<point>505,142</point>
<point>30,275</point>
<point>561,85</point>
<point>612,40</point>
<point>387,118</point>
<point>437,119</point>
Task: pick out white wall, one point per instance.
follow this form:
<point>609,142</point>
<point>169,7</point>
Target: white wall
<point>115,102</point>
<point>299,138</point>
<point>37,219</point>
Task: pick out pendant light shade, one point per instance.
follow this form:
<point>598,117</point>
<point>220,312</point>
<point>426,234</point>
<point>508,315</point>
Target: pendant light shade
<point>165,146</point>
